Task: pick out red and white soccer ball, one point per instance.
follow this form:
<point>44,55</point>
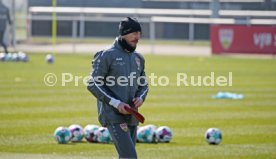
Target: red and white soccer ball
<point>103,135</point>
<point>164,134</point>
<point>90,133</point>
<point>77,132</point>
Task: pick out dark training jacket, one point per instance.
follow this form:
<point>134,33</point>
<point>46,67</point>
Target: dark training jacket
<point>4,17</point>
<point>109,65</point>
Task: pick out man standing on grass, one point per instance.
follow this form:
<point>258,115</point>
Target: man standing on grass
<point>4,17</point>
<point>118,80</point>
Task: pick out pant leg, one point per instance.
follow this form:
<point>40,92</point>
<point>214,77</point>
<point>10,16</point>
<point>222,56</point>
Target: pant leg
<point>133,132</point>
<point>2,41</point>
<point>123,141</point>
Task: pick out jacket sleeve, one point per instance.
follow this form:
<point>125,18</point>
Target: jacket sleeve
<point>100,67</point>
<point>143,87</point>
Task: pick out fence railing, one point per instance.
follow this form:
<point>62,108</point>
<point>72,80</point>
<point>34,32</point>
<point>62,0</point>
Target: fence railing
<point>83,15</point>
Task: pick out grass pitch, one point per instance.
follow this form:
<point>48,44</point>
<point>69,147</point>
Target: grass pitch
<point>30,111</point>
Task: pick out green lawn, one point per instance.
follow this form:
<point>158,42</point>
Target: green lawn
<point>30,111</point>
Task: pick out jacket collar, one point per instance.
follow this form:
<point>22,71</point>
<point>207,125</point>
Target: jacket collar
<point>118,46</point>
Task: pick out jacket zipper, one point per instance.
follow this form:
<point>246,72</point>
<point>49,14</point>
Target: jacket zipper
<point>129,87</point>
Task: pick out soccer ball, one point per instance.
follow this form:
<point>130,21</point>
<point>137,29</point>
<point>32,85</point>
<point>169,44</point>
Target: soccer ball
<point>14,57</point>
<point>49,58</point>
<point>23,56</point>
<point>213,136</point>
<point>164,134</point>
<point>146,134</point>
<point>8,57</point>
<point>2,56</point>
<point>103,135</point>
<point>77,132</point>
<point>89,133</point>
<point>62,135</point>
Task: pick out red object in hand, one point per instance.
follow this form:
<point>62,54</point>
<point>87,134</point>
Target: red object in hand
<point>137,115</point>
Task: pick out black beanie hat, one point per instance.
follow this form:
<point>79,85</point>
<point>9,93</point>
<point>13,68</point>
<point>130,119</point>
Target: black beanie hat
<point>129,25</point>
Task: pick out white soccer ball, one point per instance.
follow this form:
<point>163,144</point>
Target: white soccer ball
<point>213,136</point>
<point>103,135</point>
<point>89,133</point>
<point>77,132</point>
<point>14,57</point>
<point>8,57</point>
<point>164,134</point>
<point>2,56</point>
<point>23,56</point>
<point>62,135</point>
<point>49,58</point>
<point>146,134</point>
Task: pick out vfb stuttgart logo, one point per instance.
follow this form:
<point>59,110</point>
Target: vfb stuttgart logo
<point>226,37</point>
